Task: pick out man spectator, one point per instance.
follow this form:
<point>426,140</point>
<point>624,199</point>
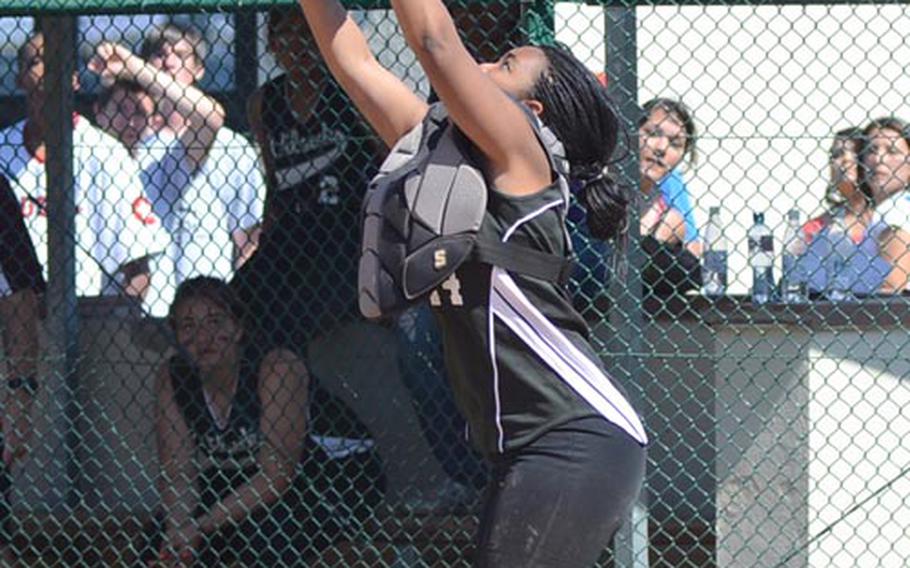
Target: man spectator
<point>203,179</point>
<point>19,313</point>
<point>114,225</point>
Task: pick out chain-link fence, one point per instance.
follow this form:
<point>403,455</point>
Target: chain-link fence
<point>756,314</point>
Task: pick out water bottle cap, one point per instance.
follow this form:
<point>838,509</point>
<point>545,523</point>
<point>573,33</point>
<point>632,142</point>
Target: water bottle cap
<point>793,215</point>
<point>713,211</point>
<point>758,217</point>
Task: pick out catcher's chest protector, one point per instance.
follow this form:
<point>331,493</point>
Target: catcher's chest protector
<point>421,217</point>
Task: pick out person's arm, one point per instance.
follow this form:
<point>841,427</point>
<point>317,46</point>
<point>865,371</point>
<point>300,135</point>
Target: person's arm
<point>257,127</point>
<point>203,113</point>
<point>19,313</point>
<point>18,258</point>
<point>283,384</point>
<point>665,224</point>
<point>894,247</point>
<point>676,193</point>
<point>177,483</point>
<point>390,107</point>
<point>492,120</point>
<point>243,198</point>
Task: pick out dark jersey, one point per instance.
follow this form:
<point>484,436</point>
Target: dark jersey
<point>235,447</point>
<point>19,264</point>
<point>306,264</point>
<point>336,477</point>
<point>516,350</point>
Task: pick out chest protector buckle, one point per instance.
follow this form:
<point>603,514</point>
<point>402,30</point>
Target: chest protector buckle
<point>421,217</point>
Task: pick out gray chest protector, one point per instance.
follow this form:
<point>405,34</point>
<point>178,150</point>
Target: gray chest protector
<point>422,216</point>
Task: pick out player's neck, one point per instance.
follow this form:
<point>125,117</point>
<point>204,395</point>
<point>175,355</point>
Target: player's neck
<point>302,90</point>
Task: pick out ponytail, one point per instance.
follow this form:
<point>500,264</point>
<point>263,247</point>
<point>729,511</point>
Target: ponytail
<point>607,204</point>
<point>579,111</point>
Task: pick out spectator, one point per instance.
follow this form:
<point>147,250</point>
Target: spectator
<point>115,228</point>
<point>318,159</point>
<point>203,179</point>
<point>885,162</point>
<point>849,219</point>
<point>666,136</point>
<point>127,112</point>
<point>261,492</point>
<point>19,314</point>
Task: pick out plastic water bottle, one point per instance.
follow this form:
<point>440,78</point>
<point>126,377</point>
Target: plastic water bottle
<point>761,260</point>
<point>794,281</point>
<point>714,256</point>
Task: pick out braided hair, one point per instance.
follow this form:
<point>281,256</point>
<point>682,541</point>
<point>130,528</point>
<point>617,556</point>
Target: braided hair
<point>579,111</point>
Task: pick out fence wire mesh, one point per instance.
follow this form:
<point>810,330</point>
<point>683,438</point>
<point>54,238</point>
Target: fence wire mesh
<point>757,314</point>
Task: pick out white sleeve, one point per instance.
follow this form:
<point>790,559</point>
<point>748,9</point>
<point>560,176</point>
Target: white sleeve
<point>244,194</point>
<point>142,232</point>
<point>895,211</point>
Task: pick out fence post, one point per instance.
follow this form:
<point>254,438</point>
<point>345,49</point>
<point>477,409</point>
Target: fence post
<point>62,325</point>
<point>538,20</point>
<point>631,546</point>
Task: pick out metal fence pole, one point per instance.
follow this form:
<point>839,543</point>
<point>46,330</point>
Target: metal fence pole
<point>631,547</point>
<point>63,326</point>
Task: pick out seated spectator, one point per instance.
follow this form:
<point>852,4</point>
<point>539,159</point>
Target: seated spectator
<point>848,230</point>
<point>19,314</point>
<point>203,179</point>
<point>666,136</point>
<point>241,479</point>
<point>114,225</point>
<point>886,166</point>
<point>669,237</point>
<point>127,112</point>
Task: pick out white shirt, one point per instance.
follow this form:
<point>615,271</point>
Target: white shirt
<point>200,209</point>
<point>114,221</point>
<point>895,211</point>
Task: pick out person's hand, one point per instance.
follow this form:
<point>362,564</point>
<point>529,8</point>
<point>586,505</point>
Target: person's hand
<point>111,62</point>
<point>180,545</point>
<point>17,429</point>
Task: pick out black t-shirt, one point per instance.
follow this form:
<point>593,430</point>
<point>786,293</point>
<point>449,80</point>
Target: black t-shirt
<point>517,352</point>
<point>305,270</point>
<point>18,260</point>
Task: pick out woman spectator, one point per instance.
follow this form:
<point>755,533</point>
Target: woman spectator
<point>241,480</point>
<point>666,135</point>
<point>886,166</point>
<point>847,231</point>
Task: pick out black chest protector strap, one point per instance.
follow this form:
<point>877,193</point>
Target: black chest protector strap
<point>422,216</point>
<point>523,260</point>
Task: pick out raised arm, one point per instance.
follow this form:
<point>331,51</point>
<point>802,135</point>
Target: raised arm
<point>283,383</point>
<point>390,107</point>
<point>480,108</point>
<point>204,115</point>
